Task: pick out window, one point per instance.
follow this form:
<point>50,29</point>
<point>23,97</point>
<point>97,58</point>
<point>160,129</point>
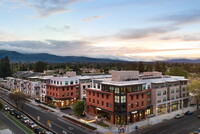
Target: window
<point>60,82</point>
<point>116,99</point>
<point>102,103</point>
<point>131,97</point>
<point>164,99</point>
<point>93,94</point>
<point>177,90</point>
<point>93,100</point>
<point>117,90</point>
<point>71,93</point>
<point>71,82</point>
<point>172,91</point>
<point>63,89</point>
<point>164,92</point>
<point>158,93</point>
<point>172,97</point>
<point>149,99</point>
<point>89,99</point>
<point>97,101</point>
<point>89,93</point>
<point>137,96</point>
<point>97,94</point>
<point>137,104</point>
<point>71,88</point>
<point>142,103</point>
<point>108,105</point>
<point>83,86</point>
<point>66,82</point>
<point>131,105</point>
<point>102,95</point>
<point>142,95</point>
<point>123,99</point>
<point>159,101</point>
<point>183,88</point>
<point>107,96</point>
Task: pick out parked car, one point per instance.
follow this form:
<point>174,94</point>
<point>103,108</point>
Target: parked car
<point>198,115</point>
<point>150,115</point>
<point>25,119</point>
<point>178,116</point>
<point>6,108</point>
<point>32,124</point>
<point>188,113</point>
<point>39,130</point>
<point>12,111</point>
<point>18,115</point>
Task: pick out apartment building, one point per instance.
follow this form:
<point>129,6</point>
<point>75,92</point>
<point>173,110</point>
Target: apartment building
<point>125,99</point>
<point>63,91</point>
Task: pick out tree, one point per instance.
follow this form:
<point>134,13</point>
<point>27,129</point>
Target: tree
<point>141,66</point>
<point>177,71</point>
<point>18,98</point>
<point>5,67</point>
<point>79,108</point>
<point>40,66</point>
<point>194,89</point>
<point>1,105</point>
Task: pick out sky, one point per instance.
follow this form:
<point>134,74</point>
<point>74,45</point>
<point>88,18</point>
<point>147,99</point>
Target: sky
<point>132,30</point>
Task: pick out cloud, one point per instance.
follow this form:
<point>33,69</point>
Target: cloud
<point>144,33</point>
<point>47,7</point>
<point>57,29</point>
<point>185,17</point>
<point>190,37</point>
<point>93,18</point>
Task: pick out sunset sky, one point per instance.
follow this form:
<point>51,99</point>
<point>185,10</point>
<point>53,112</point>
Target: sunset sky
<point>123,29</point>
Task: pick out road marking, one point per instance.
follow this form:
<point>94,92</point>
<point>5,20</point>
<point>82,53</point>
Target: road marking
<point>63,128</point>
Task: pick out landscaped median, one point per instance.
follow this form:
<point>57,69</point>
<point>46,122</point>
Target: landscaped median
<point>27,130</point>
<point>80,123</point>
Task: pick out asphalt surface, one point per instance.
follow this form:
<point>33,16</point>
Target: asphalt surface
<point>184,125</point>
<point>11,125</point>
<point>58,124</point>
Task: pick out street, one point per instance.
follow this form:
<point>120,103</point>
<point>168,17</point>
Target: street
<point>12,126</point>
<point>58,125</point>
<point>184,125</point>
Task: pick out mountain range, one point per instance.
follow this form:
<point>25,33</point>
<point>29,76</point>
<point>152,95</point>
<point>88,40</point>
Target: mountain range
<point>34,57</point>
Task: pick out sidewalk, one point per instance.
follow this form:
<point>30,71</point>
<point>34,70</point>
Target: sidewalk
<point>113,129</point>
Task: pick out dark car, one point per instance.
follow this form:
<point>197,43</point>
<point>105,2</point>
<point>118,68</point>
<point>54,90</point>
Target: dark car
<point>18,115</point>
<point>39,130</point>
<point>12,111</point>
<point>188,113</point>
<point>6,108</point>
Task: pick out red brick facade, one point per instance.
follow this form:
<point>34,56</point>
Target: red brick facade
<point>62,95</point>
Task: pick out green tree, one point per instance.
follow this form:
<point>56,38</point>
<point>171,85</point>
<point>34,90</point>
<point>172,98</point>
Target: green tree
<point>1,105</point>
<point>5,67</point>
<point>177,71</point>
<point>141,66</point>
<point>194,89</point>
<point>18,98</point>
<point>40,66</point>
<point>79,108</point>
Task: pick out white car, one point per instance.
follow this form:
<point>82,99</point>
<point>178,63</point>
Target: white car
<point>32,124</point>
<point>25,120</point>
<point>6,108</point>
<point>178,116</point>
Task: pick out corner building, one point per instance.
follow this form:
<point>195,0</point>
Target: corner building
<point>131,98</point>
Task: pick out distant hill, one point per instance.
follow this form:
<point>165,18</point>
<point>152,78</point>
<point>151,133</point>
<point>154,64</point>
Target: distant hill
<point>183,61</point>
<point>20,57</point>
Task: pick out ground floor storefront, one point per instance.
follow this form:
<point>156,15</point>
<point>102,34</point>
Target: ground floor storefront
<point>122,118</point>
<point>171,106</point>
<point>60,102</point>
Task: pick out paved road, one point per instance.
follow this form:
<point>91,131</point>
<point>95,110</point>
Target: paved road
<point>57,124</point>
<point>175,126</point>
<point>12,126</point>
